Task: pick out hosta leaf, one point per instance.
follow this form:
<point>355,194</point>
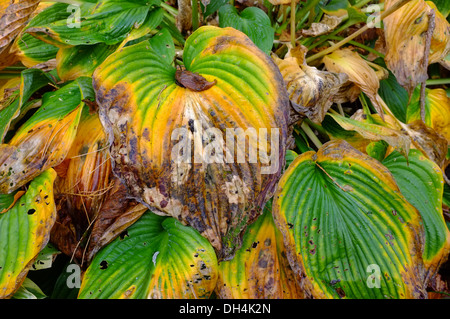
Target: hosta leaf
<point>395,96</point>
<point>375,132</point>
<point>151,118</point>
<point>31,80</point>
<point>45,138</point>
<point>108,22</point>
<point>29,290</point>
<point>405,33</point>
<point>260,269</point>
<point>252,21</point>
<point>346,227</point>
<point>81,60</point>
<point>157,257</point>
<point>420,181</point>
<point>31,51</point>
<point>437,110</point>
<point>24,232</point>
<point>443,6</point>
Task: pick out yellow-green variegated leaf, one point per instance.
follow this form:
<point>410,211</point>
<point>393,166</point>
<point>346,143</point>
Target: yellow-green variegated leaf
<point>348,230</point>
<point>24,231</point>
<point>45,138</point>
<point>259,269</point>
<point>153,114</point>
<point>157,257</point>
<point>420,181</point>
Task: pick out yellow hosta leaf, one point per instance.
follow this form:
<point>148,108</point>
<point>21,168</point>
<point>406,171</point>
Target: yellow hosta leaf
<point>25,230</point>
<point>405,33</point>
<point>260,269</point>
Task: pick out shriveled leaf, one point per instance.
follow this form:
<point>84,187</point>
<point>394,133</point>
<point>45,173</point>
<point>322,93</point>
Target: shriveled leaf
<point>152,122</point>
<point>25,231</point>
<point>117,213</point>
<point>157,257</point>
<point>252,21</point>
<point>347,227</point>
<point>437,110</point>
<point>13,19</point>
<point>420,181</point>
<point>358,71</point>
<point>428,141</point>
<point>405,33</point>
<point>260,269</point>
<point>310,90</point>
<point>45,138</point>
<point>326,25</point>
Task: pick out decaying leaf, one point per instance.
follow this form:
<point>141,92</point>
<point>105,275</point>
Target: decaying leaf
<point>405,33</point>
<point>310,90</point>
<point>45,138</point>
<point>260,269</point>
<point>359,72</point>
<point>169,144</point>
<point>347,228</point>
<point>25,231</point>
<point>13,19</point>
<point>326,25</point>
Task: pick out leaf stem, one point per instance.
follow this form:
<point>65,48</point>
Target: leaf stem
<point>336,46</point>
<point>293,5</point>
<point>194,15</point>
<point>305,127</point>
<point>438,81</point>
<point>169,9</point>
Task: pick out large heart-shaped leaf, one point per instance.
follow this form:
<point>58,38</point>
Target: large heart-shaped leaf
<point>348,230</point>
<point>24,231</point>
<point>259,269</point>
<point>153,114</point>
<point>45,138</point>
<point>420,181</point>
<point>253,21</point>
<point>157,257</point>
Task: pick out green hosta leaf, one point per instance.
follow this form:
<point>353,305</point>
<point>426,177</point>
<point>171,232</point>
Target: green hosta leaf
<point>336,7</point>
<point>81,60</point>
<point>108,22</point>
<point>377,149</point>
<point>395,96</point>
<point>162,44</point>
<point>157,257</point>
<point>259,269</point>
<point>32,51</point>
<point>45,138</point>
<point>252,21</point>
<point>25,230</point>
<point>348,230</point>
<point>290,157</point>
<point>212,6</point>
<point>443,6</point>
<point>420,181</point>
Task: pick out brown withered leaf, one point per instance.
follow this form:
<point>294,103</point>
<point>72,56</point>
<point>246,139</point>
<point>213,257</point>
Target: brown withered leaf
<point>405,33</point>
<point>193,81</point>
<point>428,141</point>
<point>326,25</point>
<point>310,90</point>
<point>117,213</point>
<point>13,19</point>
